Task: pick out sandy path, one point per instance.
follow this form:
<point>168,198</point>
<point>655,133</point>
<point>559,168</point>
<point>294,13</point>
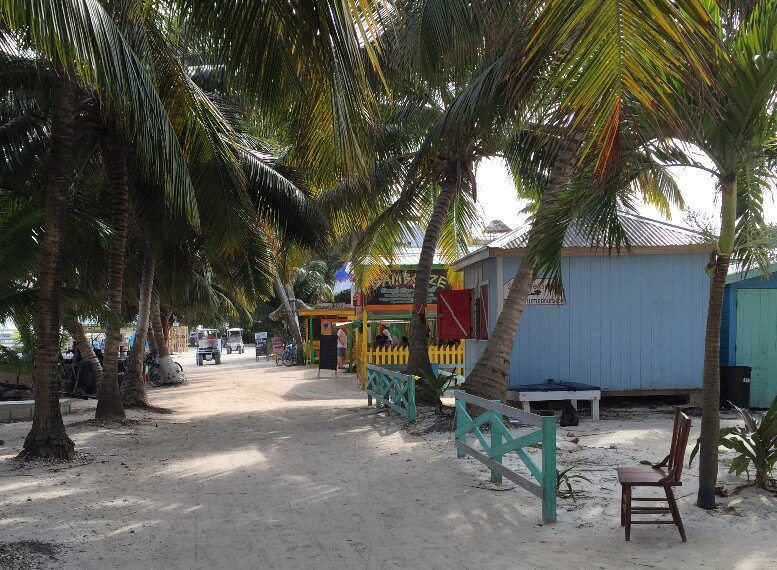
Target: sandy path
<point>266,467</point>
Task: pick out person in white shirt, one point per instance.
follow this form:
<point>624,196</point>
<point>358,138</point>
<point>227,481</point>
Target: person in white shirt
<point>386,335</point>
<point>342,345</point>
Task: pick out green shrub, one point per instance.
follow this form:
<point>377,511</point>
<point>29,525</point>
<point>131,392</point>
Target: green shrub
<point>756,443</point>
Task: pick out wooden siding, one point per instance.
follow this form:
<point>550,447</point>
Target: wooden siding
<point>757,342</point>
<point>728,329</point>
<point>746,339</point>
<point>630,323</point>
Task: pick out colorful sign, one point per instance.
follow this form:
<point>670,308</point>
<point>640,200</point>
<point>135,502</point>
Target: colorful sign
<point>397,287</point>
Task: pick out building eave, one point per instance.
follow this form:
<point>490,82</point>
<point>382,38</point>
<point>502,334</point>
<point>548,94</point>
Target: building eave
<point>594,252</point>
<point>471,258</point>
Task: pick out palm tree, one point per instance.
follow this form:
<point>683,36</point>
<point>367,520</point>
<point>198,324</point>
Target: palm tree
<point>530,61</point>
<point>67,34</point>
<point>93,35</point>
<point>133,388</point>
<point>48,437</point>
<point>632,62</point>
<point>739,137</point>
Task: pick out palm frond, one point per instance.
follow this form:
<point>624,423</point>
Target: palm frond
<point>81,37</point>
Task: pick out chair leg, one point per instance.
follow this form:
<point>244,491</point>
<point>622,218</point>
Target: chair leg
<point>623,505</point>
<point>675,512</point>
<point>628,512</point>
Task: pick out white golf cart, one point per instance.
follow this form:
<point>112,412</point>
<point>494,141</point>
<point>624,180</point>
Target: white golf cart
<point>235,341</point>
<point>208,346</point>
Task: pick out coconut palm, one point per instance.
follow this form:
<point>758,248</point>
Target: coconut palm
<point>530,62</point>
<point>73,32</point>
<point>739,137</point>
<point>579,113</point>
<point>67,34</point>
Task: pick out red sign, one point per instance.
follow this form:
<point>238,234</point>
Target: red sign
<point>454,316</point>
<point>358,299</point>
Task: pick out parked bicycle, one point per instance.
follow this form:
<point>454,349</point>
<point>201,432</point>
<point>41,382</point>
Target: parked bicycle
<point>287,356</point>
<point>154,375</point>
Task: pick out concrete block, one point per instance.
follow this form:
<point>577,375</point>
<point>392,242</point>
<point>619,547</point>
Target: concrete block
<point>22,411</point>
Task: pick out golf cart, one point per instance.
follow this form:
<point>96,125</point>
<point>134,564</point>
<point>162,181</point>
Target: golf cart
<point>208,346</point>
<point>235,341</point>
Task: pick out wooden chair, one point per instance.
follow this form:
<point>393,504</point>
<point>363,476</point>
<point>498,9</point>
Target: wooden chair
<point>665,474</point>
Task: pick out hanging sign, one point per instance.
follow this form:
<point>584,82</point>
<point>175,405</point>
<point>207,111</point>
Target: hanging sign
<point>397,287</point>
<point>539,294</point>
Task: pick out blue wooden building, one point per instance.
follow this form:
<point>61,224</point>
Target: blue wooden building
<point>632,323</point>
<point>749,331</point>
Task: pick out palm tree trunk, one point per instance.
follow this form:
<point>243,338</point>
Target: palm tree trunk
<point>133,389</point>
<point>48,438</point>
<point>291,319</point>
<point>76,330</point>
<point>115,158</point>
<point>710,416</point>
<point>418,357</point>
<point>489,377</point>
<point>170,371</point>
<point>167,324</point>
<point>151,340</point>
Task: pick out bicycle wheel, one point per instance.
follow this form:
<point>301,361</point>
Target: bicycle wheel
<point>278,358</point>
<point>180,368</point>
<point>288,358</point>
<point>155,376</point>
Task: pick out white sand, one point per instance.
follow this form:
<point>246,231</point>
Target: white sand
<point>266,467</point>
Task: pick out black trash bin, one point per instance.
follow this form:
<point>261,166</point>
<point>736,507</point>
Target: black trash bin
<point>735,385</point>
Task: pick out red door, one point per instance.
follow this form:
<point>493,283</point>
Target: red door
<point>453,314</point>
<point>483,313</point>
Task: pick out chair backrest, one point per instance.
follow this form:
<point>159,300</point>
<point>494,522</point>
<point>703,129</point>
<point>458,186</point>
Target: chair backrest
<point>680,432</point>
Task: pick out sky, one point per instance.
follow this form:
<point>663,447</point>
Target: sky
<point>497,200</point>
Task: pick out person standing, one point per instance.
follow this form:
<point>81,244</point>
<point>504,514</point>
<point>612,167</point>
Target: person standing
<point>342,345</point>
<point>386,335</point>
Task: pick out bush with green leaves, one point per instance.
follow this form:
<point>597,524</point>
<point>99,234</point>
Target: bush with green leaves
<point>430,389</point>
<point>755,442</point>
<point>564,478</point>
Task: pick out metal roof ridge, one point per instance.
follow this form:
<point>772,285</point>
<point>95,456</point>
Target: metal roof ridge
<point>663,223</point>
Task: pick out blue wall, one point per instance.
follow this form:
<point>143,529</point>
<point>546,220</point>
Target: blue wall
<point>728,325</point>
<point>631,322</point>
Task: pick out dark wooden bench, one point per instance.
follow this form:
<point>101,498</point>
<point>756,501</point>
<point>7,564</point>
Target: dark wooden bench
<point>665,475</point>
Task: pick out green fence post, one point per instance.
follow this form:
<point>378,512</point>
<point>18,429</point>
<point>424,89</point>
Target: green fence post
<point>411,398</point>
<point>496,442</point>
<point>460,411</point>
<point>549,469</point>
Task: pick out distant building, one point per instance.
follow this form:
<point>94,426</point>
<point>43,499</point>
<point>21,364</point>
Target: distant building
<point>749,331</point>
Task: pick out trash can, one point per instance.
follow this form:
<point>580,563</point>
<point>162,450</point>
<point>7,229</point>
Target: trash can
<point>735,385</point>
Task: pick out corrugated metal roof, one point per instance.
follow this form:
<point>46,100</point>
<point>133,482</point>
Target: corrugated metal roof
<point>411,255</point>
<point>641,233</point>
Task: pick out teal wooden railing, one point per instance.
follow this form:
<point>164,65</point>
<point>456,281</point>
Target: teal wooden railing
<point>503,442</point>
<point>392,389</point>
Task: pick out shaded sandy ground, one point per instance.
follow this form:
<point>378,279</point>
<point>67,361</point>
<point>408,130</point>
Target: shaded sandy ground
<point>266,467</point>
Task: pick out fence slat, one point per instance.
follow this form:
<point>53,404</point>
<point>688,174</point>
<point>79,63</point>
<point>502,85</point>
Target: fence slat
<point>503,442</point>
<point>505,410</point>
<point>392,389</point>
<point>519,480</point>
